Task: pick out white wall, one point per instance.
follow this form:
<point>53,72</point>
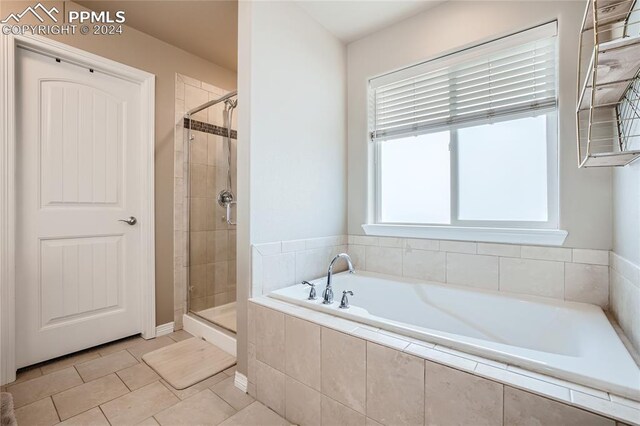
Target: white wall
<point>624,295</point>
<point>626,212</point>
<point>291,135</point>
<point>585,201</point>
<point>298,126</point>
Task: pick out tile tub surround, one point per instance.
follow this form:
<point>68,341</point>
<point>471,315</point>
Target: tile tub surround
<point>625,297</point>
<point>284,263</point>
<point>212,272</point>
<point>578,275</point>
<point>370,376</point>
<point>567,340</point>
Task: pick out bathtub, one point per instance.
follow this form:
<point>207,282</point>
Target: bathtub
<point>567,340</point>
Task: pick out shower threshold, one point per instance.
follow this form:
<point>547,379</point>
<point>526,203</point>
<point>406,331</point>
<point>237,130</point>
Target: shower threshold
<point>223,316</point>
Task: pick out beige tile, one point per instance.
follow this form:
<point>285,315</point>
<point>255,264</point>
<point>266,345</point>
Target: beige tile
<point>395,386</point>
<point>334,413</point>
<point>93,417</point>
<point>546,253</point>
<point>139,404</point>
<point>424,264</point>
<point>458,247</point>
<point>40,413</point>
<point>27,374</point>
<point>358,256</point>
<point>251,390</point>
<point>199,153</point>
<point>105,365</point>
<point>203,408</point>
<point>586,283</point>
<point>390,242</point>
<point>270,339</point>
<point>149,345</point>
<point>381,338</point>
<point>504,250</point>
<point>534,277</point>
<point>119,345</point>
<point>148,422</point>
<point>197,251</point>
<point>81,398</point>
<point>526,382</point>
<point>625,304</point>
<point>270,386</point>
<point>251,362</point>
<point>255,414</point>
<point>302,353</point>
<point>523,408</point>
<point>68,361</point>
<point>233,396</point>
<point>200,386</point>
<point>302,404</point>
<point>278,271</point>
<point>384,260</point>
<point>422,244</point>
<point>344,361</point>
<point>371,422</point>
<point>595,257</point>
<point>231,371</point>
<point>453,397</point>
<point>137,376</point>
<point>472,270</point>
<point>41,387</point>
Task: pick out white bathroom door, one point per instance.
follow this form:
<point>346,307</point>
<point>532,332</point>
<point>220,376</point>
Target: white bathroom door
<point>78,272</point>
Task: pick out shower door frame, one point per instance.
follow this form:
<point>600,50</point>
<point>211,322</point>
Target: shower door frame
<point>8,189</point>
<point>187,135</point>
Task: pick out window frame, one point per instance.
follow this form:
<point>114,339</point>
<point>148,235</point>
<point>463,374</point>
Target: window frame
<point>552,221</point>
<point>533,232</point>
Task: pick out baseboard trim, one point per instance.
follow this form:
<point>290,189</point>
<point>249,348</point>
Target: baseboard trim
<point>164,329</point>
<point>241,382</point>
<point>205,331</point>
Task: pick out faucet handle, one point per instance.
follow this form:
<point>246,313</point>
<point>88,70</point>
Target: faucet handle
<point>344,303</point>
<point>312,292</point>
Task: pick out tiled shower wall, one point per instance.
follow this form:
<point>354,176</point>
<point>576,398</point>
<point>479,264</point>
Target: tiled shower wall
<point>212,243</point>
<point>578,275</point>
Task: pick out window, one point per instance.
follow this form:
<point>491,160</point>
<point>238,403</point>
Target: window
<point>470,139</point>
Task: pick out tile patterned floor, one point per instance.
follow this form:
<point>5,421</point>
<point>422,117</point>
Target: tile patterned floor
<point>110,385</point>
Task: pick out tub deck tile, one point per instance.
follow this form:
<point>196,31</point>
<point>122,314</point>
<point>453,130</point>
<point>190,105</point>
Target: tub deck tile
<point>597,401</point>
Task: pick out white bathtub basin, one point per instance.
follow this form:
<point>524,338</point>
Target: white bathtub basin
<point>571,341</point>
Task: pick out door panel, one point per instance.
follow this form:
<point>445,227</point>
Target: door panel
<point>79,160</point>
<point>81,144</point>
<point>80,277</point>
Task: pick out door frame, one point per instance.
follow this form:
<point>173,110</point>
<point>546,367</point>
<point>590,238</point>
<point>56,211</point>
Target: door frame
<point>8,46</point>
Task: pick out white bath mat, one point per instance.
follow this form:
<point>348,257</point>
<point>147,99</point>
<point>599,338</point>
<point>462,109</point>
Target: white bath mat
<point>188,362</point>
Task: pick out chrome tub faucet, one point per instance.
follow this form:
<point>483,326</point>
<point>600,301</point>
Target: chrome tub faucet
<point>327,294</point>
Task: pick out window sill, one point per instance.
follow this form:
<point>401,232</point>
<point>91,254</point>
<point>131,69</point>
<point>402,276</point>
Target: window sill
<point>547,237</point>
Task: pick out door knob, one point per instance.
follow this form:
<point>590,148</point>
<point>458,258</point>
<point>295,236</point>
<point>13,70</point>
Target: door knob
<point>131,221</point>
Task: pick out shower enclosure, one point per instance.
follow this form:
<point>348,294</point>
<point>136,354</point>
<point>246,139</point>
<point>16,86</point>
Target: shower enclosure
<point>210,179</point>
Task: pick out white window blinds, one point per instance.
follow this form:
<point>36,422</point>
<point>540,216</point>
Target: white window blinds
<point>512,75</point>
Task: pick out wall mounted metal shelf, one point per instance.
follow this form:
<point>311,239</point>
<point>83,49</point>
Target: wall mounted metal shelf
<point>608,105</point>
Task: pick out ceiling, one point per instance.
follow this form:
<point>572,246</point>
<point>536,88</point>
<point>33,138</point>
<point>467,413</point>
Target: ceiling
<point>351,20</point>
<point>208,29</point>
